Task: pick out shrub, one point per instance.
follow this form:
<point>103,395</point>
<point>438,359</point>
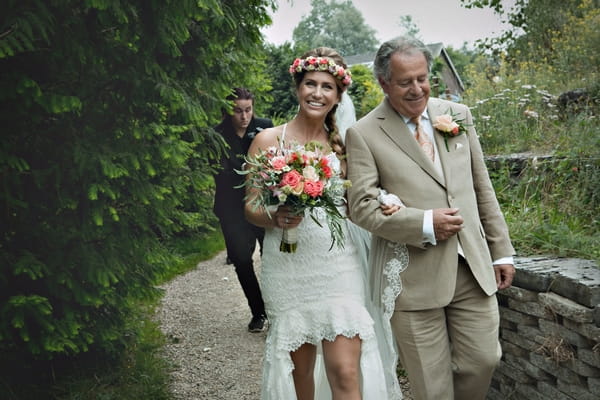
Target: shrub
<point>106,153</point>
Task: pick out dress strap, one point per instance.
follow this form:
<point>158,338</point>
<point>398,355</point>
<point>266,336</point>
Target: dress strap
<point>282,139</point>
<point>283,133</point>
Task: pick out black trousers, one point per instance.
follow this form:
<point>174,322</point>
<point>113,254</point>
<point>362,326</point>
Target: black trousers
<point>240,240</point>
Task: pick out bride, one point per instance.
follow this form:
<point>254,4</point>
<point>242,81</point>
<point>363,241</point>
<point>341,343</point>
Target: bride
<point>328,336</point>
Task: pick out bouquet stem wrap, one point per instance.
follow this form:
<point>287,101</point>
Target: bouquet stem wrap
<point>289,240</point>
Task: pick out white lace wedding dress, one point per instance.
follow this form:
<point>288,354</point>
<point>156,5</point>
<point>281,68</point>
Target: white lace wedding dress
<point>316,294</point>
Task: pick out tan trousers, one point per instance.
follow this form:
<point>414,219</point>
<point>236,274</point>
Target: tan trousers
<point>450,353</point>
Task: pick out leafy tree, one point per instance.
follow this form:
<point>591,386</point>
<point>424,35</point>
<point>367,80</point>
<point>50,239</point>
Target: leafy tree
<point>284,103</point>
<point>364,91</point>
<point>105,108</point>
<point>551,38</point>
<point>533,23</point>
<point>336,24</point>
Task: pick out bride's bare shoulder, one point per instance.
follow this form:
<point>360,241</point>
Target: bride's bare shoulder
<point>268,137</point>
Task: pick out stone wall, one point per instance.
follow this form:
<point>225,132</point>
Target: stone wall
<point>550,332</point>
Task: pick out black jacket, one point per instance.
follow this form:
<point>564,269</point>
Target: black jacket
<point>229,199</point>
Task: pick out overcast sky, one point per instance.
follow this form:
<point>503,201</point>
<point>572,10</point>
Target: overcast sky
<point>438,20</point>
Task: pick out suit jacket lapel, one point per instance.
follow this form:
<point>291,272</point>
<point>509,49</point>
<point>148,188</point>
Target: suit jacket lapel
<point>395,128</point>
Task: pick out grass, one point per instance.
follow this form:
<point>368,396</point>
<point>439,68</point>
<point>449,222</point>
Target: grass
<point>551,203</point>
<point>136,372</point>
<point>551,206</point>
<point>192,250</point>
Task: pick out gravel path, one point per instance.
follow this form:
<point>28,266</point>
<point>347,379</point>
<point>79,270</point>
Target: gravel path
<point>204,316</point>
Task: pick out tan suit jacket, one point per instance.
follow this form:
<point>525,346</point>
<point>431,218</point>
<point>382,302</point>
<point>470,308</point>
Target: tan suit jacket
<point>383,153</point>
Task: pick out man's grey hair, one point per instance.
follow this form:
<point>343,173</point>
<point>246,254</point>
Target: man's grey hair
<point>402,44</point>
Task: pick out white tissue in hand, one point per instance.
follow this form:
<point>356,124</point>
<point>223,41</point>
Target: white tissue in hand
<point>389,199</point>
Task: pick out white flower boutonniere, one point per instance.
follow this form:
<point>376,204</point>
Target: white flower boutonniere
<point>449,126</point>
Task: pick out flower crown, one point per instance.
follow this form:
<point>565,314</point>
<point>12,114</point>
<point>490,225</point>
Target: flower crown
<point>322,64</point>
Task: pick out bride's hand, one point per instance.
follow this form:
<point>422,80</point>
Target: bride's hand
<point>389,209</point>
<point>286,219</point>
<point>389,202</point>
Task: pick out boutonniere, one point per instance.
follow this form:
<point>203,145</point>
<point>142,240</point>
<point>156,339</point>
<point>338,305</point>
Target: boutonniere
<point>449,126</point>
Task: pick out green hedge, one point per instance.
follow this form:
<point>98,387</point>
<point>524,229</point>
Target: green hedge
<point>105,154</point>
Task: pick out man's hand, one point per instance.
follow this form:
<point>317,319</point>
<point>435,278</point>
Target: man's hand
<point>446,222</point>
<point>504,275</point>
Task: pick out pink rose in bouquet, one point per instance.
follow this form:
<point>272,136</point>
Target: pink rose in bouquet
<point>313,188</point>
<point>278,162</point>
<point>292,179</point>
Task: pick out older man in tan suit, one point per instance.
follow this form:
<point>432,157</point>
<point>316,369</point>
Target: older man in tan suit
<point>446,317</point>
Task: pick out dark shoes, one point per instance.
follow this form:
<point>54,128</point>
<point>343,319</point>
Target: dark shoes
<point>258,324</point>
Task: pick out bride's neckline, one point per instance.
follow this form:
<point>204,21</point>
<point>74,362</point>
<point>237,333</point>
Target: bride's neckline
<point>303,142</point>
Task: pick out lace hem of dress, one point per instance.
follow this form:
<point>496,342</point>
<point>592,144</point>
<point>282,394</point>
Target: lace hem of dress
<point>391,271</point>
<point>390,289</point>
<point>312,325</point>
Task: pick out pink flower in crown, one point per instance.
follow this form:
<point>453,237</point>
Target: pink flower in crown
<point>313,188</point>
<point>310,64</point>
<point>295,65</point>
<point>323,64</point>
<point>291,178</point>
<point>278,163</point>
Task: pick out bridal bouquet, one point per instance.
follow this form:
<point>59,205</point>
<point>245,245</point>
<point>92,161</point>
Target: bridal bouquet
<point>301,177</point>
